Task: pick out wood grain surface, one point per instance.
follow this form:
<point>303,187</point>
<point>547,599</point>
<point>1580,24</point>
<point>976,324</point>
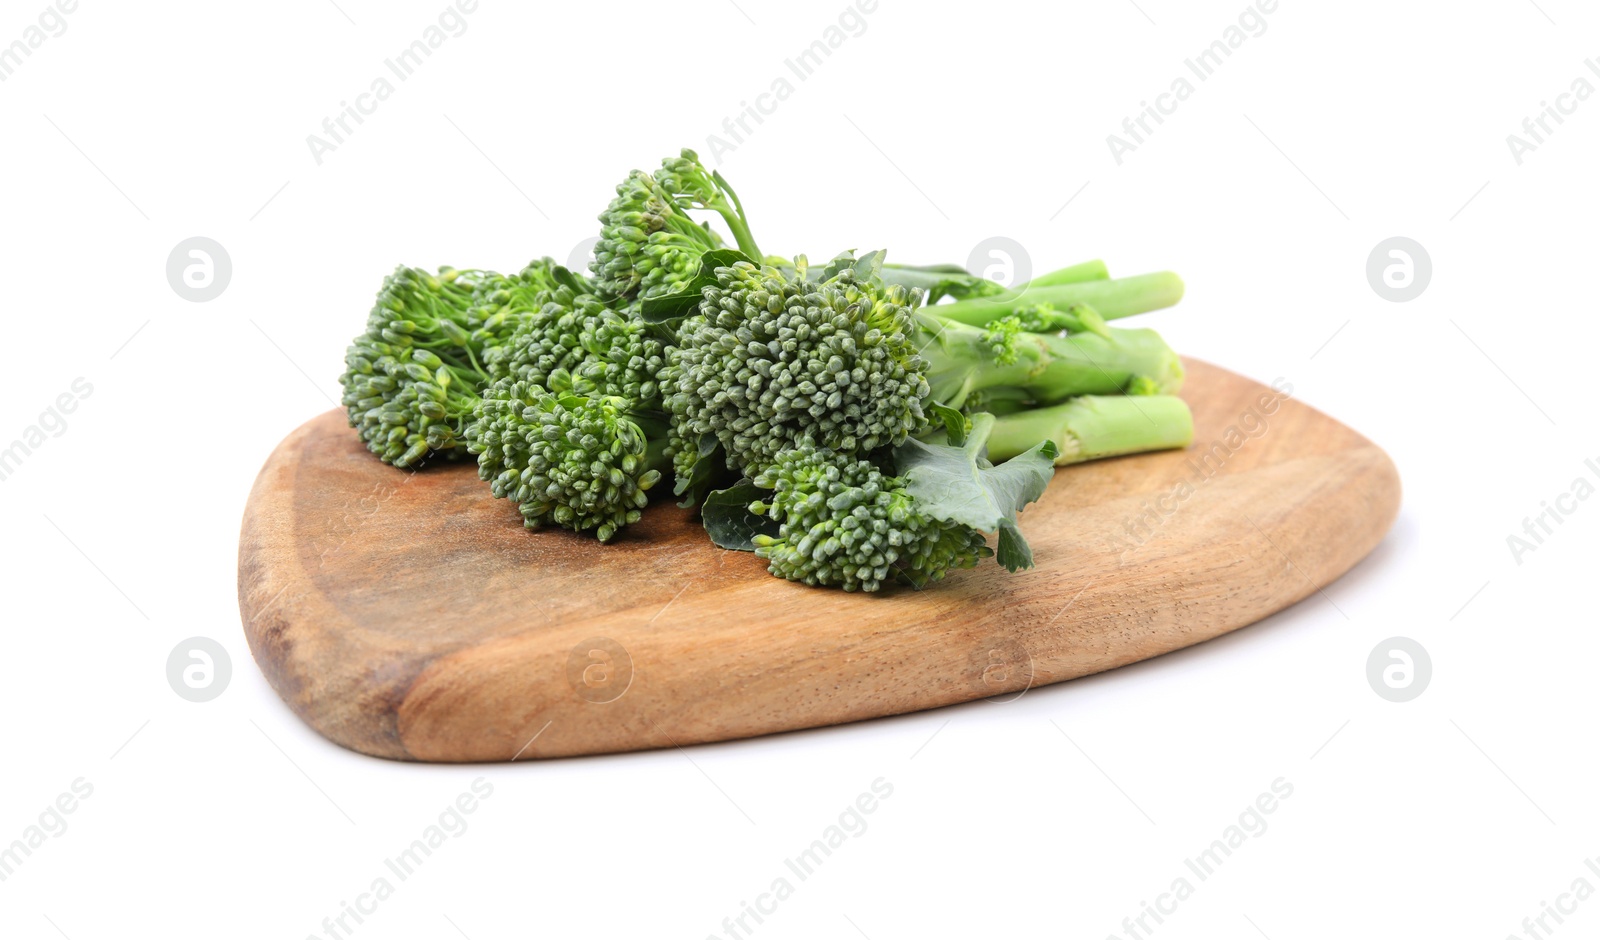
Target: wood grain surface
<point>409,615</point>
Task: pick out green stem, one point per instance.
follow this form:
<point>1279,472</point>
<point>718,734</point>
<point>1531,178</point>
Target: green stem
<point>736,219</point>
<point>939,280</point>
<point>1122,297</point>
<point>963,359</point>
<point>1096,426</point>
<point>692,232</point>
<point>1076,274</point>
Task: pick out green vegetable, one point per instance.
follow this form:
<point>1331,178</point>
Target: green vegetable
<point>1123,297</point>
<point>773,358</point>
<point>411,380</point>
<point>571,428</point>
<point>1095,426</point>
<point>566,458</point>
<point>649,244</point>
<point>851,412</point>
<point>963,359</point>
<point>844,522</point>
<point>957,482</point>
<point>568,329</point>
<point>937,281</point>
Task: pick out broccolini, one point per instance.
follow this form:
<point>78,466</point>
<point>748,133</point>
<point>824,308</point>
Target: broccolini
<point>853,419</point>
<point>772,359</point>
<point>411,379</point>
<point>568,457</point>
<point>844,523</point>
<point>649,244</point>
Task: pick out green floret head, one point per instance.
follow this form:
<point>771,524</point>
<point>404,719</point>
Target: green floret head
<point>690,184</point>
<point>566,330</point>
<point>1001,338</point>
<point>844,523</point>
<point>570,460</point>
<point>508,296</point>
<point>410,379</point>
<point>772,359</point>
<point>648,245</point>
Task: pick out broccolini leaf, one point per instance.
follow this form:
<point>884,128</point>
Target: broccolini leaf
<point>676,306</point>
<point>955,423</point>
<point>959,484</point>
<point>697,480</point>
<point>729,521</point>
<point>866,267</point>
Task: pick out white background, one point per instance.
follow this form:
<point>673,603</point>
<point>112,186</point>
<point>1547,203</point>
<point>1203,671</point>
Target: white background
<point>1457,814</point>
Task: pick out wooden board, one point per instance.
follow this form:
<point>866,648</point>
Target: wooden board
<point>409,615</point>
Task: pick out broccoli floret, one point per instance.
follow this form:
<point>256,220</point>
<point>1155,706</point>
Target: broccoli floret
<point>844,523</point>
<point>773,358</point>
<point>433,342</point>
<point>578,333</point>
<point>571,427</point>
<point>567,457</point>
<point>649,244</point>
<point>411,379</point>
<point>520,294</point>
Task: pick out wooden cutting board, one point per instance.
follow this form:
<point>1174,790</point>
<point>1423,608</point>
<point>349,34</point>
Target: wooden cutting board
<point>409,615</point>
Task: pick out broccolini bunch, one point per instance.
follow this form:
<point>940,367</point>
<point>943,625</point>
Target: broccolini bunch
<point>773,358</point>
<point>851,422</point>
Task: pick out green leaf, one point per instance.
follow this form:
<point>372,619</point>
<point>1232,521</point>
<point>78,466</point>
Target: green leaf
<point>729,521</point>
<point>866,266</point>
<point>694,487</point>
<point>839,262</point>
<point>955,423</point>
<point>958,484</point>
<point>679,305</point>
